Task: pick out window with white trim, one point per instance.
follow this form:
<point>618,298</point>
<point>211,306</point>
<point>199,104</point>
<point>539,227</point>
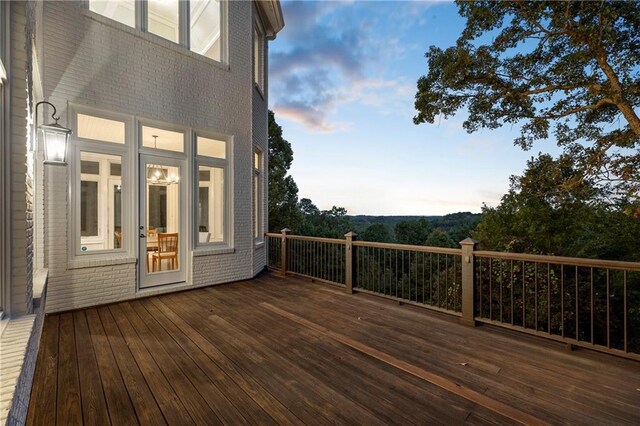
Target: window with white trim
<point>198,25</point>
<point>258,196</point>
<point>212,193</point>
<point>100,201</point>
<point>101,187</point>
<point>258,54</point>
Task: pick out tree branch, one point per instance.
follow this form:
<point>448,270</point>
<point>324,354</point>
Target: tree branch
<point>597,105</point>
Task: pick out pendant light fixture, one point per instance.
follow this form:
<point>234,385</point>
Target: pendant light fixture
<point>157,174</point>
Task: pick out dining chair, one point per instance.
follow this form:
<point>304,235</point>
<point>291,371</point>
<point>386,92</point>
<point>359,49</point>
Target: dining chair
<point>167,249</point>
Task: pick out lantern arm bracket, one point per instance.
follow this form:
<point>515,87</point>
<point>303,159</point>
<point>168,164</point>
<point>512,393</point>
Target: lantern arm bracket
<point>53,115</point>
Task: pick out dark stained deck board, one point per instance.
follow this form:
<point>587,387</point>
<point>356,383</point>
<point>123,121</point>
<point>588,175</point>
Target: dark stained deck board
<point>144,404</point>
<point>457,354</point>
<point>512,392</point>
<point>224,409</point>
<point>42,406</point>
<point>249,385</point>
<point>221,355</point>
<point>166,397</point>
<point>195,404</point>
<point>308,350</point>
<point>119,404</point>
<point>233,393</point>
<point>94,405</point>
<point>69,405</point>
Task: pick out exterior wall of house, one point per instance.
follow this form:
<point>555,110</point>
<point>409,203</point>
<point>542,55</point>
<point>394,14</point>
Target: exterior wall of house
<point>21,177</point>
<point>260,130</point>
<point>92,61</point>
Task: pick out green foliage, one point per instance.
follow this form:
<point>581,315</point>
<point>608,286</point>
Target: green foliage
<point>283,191</point>
<point>376,232</point>
<point>439,238</point>
<point>564,69</point>
<point>413,232</point>
<point>333,223</point>
<point>541,213</point>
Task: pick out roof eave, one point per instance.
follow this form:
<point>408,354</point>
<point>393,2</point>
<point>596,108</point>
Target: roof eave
<point>273,20</point>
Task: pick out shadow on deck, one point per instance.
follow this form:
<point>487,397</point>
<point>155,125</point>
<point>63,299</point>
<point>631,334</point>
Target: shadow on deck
<point>284,350</point>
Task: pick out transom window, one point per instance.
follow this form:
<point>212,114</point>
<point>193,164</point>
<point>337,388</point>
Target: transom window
<point>169,140</point>
<point>100,129</point>
<point>196,24</point>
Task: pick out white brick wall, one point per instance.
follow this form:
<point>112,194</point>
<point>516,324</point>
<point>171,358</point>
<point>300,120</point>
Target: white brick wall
<point>92,61</point>
<point>21,179</point>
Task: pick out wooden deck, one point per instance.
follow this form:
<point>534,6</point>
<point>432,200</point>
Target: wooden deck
<point>283,350</point>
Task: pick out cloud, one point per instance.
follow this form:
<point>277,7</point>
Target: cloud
<point>327,54</point>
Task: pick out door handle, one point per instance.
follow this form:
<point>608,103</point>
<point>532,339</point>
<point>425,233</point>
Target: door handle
<point>142,235</point>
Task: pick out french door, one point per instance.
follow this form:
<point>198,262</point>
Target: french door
<point>162,221</point>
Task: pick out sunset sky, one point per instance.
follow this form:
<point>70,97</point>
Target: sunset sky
<point>342,84</point>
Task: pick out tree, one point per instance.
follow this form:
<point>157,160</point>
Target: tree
<point>564,68</point>
<point>283,191</point>
<point>414,232</point>
<point>376,232</point>
<point>439,238</point>
<point>540,214</point>
<point>333,223</point>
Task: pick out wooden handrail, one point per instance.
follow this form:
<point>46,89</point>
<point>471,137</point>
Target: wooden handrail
<point>407,247</point>
<point>561,260</point>
<point>317,239</point>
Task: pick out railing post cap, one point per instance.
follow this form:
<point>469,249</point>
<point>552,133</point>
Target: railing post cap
<point>285,230</point>
<point>351,235</point>
<point>469,242</point>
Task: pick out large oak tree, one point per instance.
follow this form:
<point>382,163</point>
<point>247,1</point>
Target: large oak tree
<point>568,70</point>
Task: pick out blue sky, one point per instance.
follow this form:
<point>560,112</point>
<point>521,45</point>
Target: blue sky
<point>342,84</point>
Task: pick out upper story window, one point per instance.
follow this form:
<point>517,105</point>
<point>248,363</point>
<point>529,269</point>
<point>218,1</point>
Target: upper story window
<point>206,28</point>
<point>123,11</point>
<point>198,25</point>
<point>258,54</point>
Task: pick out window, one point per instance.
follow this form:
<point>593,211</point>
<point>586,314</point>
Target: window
<point>258,55</point>
<point>258,197</point>
<point>205,28</point>
<point>123,11</point>
<point>198,25</point>
<point>100,223</point>
<point>212,213</point>
<point>100,129</point>
<point>100,202</point>
<point>162,139</point>
<point>163,19</point>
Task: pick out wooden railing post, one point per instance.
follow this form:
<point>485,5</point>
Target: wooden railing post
<point>284,251</point>
<point>349,256</point>
<point>468,281</point>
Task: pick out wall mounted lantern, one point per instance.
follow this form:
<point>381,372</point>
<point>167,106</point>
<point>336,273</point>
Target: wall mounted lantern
<point>56,138</point>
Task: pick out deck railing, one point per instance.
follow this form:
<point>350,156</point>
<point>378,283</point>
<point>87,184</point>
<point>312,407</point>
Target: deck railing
<point>581,302</point>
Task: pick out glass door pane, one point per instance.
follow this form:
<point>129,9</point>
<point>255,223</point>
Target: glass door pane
<point>162,227</point>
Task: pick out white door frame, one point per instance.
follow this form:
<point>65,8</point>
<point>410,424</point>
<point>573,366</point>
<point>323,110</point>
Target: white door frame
<point>155,279</point>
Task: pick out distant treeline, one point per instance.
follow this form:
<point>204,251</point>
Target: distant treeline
<point>457,225</point>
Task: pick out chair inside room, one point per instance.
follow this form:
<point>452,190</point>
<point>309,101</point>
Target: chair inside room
<point>167,250</point>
